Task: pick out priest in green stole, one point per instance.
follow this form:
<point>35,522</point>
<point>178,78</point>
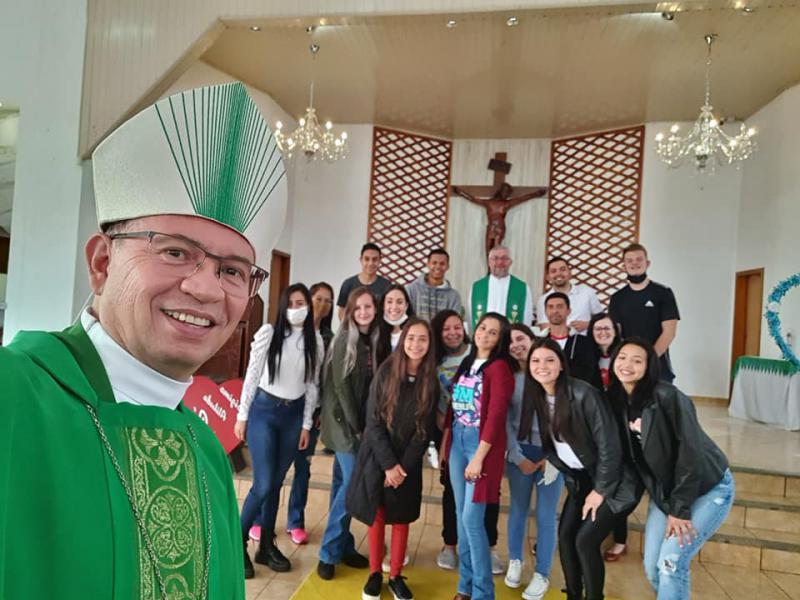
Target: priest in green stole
<point>500,292</point>
<point>110,488</point>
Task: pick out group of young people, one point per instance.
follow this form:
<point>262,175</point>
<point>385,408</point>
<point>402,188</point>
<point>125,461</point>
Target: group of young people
<point>591,413</point>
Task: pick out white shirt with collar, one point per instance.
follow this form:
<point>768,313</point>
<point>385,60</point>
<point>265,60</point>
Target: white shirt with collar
<point>131,380</point>
<point>583,304</point>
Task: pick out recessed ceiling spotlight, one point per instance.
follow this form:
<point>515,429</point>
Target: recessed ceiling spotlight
<point>512,21</point>
<point>255,28</point>
<point>451,23</point>
<point>748,10</point>
<point>311,29</point>
<point>668,15</point>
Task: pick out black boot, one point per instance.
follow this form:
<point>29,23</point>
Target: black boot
<point>269,554</point>
<point>249,571</point>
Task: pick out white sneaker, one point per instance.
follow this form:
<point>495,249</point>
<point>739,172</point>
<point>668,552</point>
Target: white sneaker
<point>537,588</point>
<point>497,564</point>
<point>514,573</point>
<point>433,456</point>
<point>447,559</point>
<point>387,566</point>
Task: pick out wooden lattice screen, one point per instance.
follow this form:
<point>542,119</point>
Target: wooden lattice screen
<point>408,199</point>
<point>593,211</point>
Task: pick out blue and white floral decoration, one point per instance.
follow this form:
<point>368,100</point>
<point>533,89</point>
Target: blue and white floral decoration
<point>774,318</point>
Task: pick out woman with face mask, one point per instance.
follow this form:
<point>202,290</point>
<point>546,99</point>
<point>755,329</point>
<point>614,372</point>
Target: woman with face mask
<point>279,397</point>
<point>686,474</point>
<point>322,306</point>
<point>525,470</point>
<point>386,487</point>
<point>394,309</point>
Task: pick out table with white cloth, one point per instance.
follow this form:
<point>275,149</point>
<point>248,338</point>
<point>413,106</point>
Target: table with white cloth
<point>766,390</point>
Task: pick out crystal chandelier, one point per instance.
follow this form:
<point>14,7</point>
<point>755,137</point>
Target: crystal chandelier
<point>310,138</point>
<point>706,143</point>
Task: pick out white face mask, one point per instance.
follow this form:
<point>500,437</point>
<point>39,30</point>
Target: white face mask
<point>396,322</point>
<point>296,316</point>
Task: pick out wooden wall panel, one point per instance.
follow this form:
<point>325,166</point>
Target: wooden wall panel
<point>595,195</point>
<point>408,199</point>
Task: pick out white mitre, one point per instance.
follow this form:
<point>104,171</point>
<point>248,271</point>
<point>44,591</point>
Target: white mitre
<point>206,152</point>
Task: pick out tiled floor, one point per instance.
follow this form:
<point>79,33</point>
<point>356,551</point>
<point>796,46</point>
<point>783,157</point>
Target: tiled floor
<point>747,444</point>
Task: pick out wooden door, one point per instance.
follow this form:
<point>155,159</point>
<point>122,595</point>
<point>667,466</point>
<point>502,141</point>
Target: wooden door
<point>230,362</point>
<point>747,314</point>
<point>278,281</point>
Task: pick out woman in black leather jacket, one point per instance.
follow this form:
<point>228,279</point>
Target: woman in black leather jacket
<point>581,439</point>
<point>687,476</point>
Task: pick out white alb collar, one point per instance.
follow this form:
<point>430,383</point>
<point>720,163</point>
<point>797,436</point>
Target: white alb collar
<point>132,381</point>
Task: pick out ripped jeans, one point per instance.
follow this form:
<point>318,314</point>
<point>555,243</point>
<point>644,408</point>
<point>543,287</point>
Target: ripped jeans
<point>666,564</point>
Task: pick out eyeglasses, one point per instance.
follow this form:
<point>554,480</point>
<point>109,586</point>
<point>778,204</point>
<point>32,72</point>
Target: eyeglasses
<point>603,329</point>
<point>184,257</point>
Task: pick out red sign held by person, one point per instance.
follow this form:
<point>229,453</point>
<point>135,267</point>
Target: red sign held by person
<point>217,405</point>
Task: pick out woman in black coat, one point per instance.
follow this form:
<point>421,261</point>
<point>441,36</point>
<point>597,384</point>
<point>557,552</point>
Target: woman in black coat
<point>386,486</point>
<point>580,438</point>
<point>686,474</point>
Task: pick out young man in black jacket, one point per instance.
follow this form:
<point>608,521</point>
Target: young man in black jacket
<point>577,348</point>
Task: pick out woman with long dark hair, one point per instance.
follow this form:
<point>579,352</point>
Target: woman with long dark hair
<point>394,309</point>
<point>686,474</point>
<point>482,390</point>
<point>322,309</point>
<point>452,347</point>
<point>386,487</point>
<point>348,372</point>
<point>276,413</point>
<point>525,470</point>
<point>580,438</point>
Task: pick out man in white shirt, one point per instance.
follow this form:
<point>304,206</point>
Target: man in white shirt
<point>583,299</point>
<point>500,292</point>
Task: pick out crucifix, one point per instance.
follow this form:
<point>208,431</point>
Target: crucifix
<point>497,199</point>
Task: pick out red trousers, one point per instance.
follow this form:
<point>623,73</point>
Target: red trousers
<point>376,537</point>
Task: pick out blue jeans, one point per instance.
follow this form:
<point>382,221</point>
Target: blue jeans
<point>273,432</point>
<point>475,560</point>
<point>295,518</point>
<point>666,564</point>
<point>521,487</point>
<point>337,541</point>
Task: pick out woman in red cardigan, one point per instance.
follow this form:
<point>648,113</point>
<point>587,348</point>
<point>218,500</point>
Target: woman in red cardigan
<point>482,390</point>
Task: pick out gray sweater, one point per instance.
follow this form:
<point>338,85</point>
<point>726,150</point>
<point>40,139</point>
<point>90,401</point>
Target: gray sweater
<point>428,300</point>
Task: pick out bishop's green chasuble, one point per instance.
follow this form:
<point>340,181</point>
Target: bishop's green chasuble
<point>515,301</point>
<point>67,530</point>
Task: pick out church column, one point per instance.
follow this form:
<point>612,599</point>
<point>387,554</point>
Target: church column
<point>42,45</point>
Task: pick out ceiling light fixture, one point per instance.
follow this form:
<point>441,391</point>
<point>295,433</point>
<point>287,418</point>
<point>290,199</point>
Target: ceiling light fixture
<point>310,138</point>
<point>512,21</point>
<point>451,23</point>
<point>748,10</point>
<point>706,143</point>
<point>255,28</point>
<point>668,15</point>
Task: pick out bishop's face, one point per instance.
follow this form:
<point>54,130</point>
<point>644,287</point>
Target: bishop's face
<point>172,324</point>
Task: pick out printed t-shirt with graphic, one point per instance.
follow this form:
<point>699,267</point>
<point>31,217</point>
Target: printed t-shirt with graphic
<point>446,371</point>
<point>467,396</point>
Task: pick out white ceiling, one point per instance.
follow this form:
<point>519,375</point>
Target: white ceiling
<point>557,73</point>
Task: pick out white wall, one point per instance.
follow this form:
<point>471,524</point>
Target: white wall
<point>330,213</point>
<point>41,71</point>
<point>769,221</point>
<point>688,223</point>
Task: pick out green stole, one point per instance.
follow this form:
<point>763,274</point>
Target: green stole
<point>515,301</point>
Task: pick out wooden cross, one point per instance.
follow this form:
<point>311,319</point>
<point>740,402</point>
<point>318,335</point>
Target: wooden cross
<point>497,198</point>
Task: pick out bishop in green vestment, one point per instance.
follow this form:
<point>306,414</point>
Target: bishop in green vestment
<point>109,487</point>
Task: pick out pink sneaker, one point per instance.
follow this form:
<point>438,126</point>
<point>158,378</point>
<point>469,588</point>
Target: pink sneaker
<point>255,533</point>
<point>299,536</point>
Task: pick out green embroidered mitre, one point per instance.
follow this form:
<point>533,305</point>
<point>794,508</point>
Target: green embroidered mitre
<point>205,152</point>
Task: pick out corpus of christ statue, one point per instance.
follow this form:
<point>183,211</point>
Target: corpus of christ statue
<point>497,199</point>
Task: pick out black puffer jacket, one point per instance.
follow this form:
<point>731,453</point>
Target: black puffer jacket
<point>598,444</point>
<point>683,462</point>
